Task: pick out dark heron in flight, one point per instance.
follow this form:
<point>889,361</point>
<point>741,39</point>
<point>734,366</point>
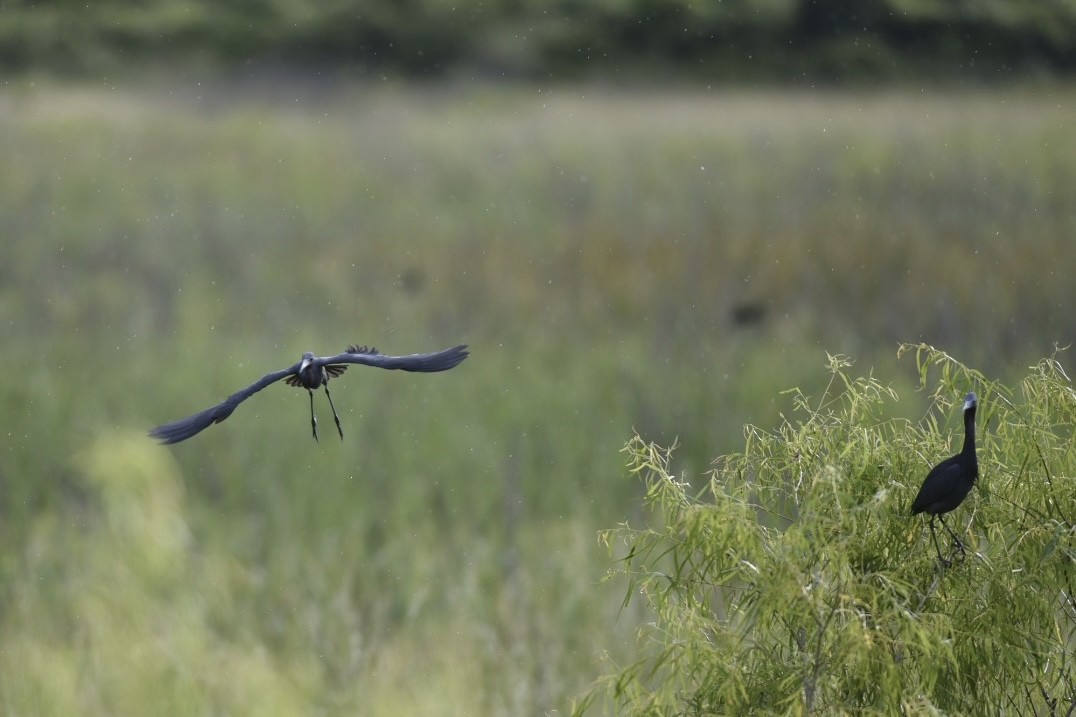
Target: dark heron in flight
<point>949,482</point>
<point>310,372</point>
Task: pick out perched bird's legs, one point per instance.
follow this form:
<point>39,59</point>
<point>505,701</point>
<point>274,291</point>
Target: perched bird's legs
<point>335,417</point>
<point>313,418</point>
<point>943,561</point>
<point>957,542</point>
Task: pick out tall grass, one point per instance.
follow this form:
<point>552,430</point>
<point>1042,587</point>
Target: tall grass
<point>663,261</point>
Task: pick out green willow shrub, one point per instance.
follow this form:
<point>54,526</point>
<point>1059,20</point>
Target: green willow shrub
<point>796,581</point>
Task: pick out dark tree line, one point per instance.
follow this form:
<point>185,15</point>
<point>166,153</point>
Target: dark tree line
<point>824,40</point>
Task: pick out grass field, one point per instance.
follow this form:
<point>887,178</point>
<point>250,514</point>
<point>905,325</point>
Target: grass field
<point>667,261</point>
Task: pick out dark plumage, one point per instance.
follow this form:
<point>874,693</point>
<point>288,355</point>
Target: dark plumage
<point>310,373</point>
<point>949,482</point>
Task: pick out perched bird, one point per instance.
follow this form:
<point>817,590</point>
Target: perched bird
<point>310,372</point>
<point>949,482</point>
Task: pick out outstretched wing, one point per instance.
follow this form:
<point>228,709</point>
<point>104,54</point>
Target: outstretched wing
<point>184,428</point>
<point>426,363</point>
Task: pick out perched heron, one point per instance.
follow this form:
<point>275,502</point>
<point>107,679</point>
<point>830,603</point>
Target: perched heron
<point>310,372</point>
<point>949,482</point>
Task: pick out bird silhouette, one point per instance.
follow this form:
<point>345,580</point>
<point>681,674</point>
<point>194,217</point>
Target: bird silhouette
<point>949,482</point>
<point>310,372</point>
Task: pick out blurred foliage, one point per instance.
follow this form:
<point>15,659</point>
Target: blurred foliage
<point>813,40</point>
<point>795,581</point>
<point>664,261</point>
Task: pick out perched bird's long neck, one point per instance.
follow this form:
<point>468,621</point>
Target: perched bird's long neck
<point>969,434</point>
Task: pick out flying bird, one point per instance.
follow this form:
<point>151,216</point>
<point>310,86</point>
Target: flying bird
<point>310,372</point>
<point>949,482</point>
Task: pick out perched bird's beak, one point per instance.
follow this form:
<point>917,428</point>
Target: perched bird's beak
<point>970,401</point>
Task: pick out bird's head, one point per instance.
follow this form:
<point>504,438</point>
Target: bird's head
<point>307,358</point>
<point>971,401</point>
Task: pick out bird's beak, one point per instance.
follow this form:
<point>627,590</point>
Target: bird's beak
<point>304,364</point>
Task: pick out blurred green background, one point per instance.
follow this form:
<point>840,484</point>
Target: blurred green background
<point>620,40</point>
<point>665,257</point>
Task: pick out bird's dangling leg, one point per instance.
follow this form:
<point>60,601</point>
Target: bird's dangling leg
<point>313,418</point>
<point>957,542</point>
<point>943,561</point>
<point>335,417</point>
